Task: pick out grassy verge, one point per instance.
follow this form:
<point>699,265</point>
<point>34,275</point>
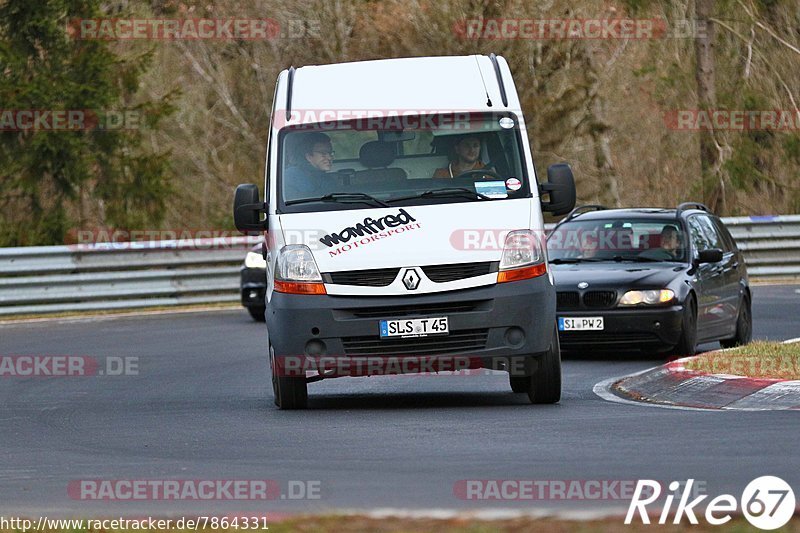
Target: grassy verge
<point>759,359</point>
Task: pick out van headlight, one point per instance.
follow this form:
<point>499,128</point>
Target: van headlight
<point>296,271</point>
<point>651,297</point>
<point>523,257</point>
<point>296,263</point>
<point>255,260</point>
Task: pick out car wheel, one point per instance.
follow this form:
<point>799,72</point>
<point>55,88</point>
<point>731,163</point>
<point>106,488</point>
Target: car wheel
<point>519,384</point>
<point>544,386</point>
<point>257,313</point>
<point>687,344</point>
<point>289,392</point>
<point>744,326</point>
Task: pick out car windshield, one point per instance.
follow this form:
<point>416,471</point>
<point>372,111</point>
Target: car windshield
<point>406,160</point>
<point>619,240</point>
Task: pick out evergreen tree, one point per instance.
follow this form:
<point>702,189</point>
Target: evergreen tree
<point>48,175</point>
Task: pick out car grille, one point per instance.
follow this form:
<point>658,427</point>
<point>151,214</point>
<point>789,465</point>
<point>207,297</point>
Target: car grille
<point>456,342</point>
<point>445,273</point>
<point>568,300</point>
<point>600,299</point>
<point>600,338</point>
<point>395,311</point>
<point>377,277</point>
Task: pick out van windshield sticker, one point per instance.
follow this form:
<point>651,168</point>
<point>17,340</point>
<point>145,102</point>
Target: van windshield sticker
<point>370,230</point>
<point>492,189</point>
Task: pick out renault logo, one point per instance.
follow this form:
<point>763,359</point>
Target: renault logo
<point>411,279</point>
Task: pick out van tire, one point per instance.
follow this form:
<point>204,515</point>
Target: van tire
<point>289,392</point>
<point>544,386</point>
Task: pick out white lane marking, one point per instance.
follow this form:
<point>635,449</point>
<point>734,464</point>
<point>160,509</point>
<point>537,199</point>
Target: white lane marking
<point>784,394</point>
<point>603,390</point>
<point>115,316</point>
<point>791,341</point>
<point>488,514</point>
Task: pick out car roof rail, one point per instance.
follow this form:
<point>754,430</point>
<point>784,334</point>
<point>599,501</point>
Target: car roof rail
<point>583,209</point>
<point>685,206</point>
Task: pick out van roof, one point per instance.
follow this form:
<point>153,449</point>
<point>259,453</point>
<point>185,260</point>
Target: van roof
<point>395,86</point>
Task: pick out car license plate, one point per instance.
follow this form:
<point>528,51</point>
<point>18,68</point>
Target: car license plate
<point>580,323</point>
<point>416,327</point>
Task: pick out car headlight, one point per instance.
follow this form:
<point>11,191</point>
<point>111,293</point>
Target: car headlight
<point>523,257</point>
<point>255,260</point>
<point>652,297</point>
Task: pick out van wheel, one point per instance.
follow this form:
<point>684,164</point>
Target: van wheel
<point>289,392</point>
<point>687,344</point>
<point>257,313</point>
<point>544,386</point>
<point>744,326</point>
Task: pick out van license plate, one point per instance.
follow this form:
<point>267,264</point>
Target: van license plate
<point>416,327</point>
<point>585,323</point>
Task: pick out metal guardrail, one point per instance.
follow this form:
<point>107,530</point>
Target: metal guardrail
<point>50,279</point>
<point>111,276</point>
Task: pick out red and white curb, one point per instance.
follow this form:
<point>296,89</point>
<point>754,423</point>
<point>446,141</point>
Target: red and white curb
<point>675,387</point>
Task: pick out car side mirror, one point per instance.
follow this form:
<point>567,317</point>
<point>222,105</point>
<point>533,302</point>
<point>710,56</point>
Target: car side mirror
<point>714,255</point>
<point>247,210</point>
<point>560,187</point>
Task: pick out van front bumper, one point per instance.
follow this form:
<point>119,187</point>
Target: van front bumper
<point>488,324</point>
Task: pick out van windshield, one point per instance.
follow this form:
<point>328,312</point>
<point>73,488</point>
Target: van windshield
<point>401,160</point>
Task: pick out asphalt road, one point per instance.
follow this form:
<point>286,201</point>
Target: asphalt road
<point>201,408</point>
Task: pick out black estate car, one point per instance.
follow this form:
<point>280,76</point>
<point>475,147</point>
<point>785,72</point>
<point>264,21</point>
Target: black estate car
<point>648,278</point>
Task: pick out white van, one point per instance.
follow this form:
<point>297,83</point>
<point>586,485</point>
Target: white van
<point>403,226</point>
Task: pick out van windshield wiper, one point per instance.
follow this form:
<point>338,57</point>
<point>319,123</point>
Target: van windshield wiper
<point>341,197</point>
<point>562,261</point>
<point>451,192</point>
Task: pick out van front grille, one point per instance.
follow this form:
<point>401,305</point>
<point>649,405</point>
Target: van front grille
<point>456,342</point>
<point>445,273</point>
<point>376,277</point>
<point>434,309</point>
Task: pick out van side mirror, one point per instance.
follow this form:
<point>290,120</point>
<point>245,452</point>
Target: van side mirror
<point>560,187</point>
<point>714,255</point>
<point>247,210</point>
